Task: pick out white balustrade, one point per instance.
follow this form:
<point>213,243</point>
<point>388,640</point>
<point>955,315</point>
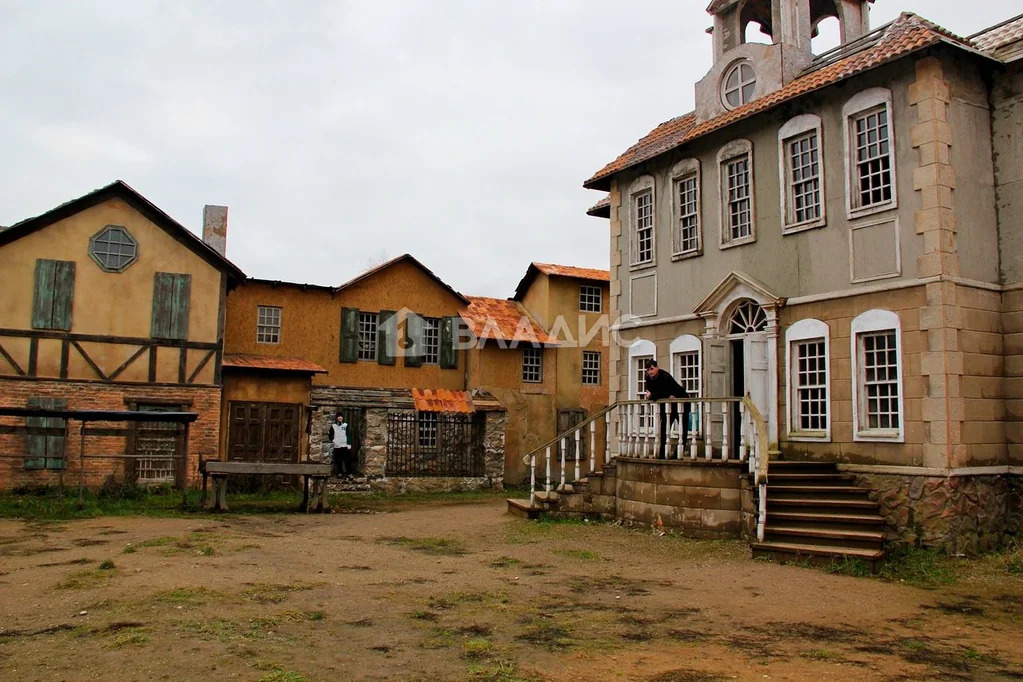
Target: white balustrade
<point>547,481</point>
<point>593,446</point>
<point>698,411</point>
<point>564,448</point>
<point>708,433</point>
<point>607,438</point>
<point>742,432</point>
<point>578,453</point>
<point>532,479</point>
<point>724,431</point>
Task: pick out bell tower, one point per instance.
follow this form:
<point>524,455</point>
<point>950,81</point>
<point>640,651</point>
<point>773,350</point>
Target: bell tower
<point>745,71</point>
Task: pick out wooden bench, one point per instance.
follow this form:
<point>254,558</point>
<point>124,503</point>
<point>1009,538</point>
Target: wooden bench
<point>219,471</point>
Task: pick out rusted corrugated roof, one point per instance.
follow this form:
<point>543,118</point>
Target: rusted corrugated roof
<point>907,34</point>
<point>503,320</point>
<point>442,400</point>
<point>271,362</point>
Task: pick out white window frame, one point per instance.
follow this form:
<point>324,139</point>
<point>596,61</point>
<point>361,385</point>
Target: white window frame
<point>431,340</point>
<point>687,343</point>
<point>730,153</point>
<point>532,359</point>
<point>367,351</point>
<point>870,322</point>
<point>802,331</point>
<point>683,172</point>
<point>640,351</point>
<point>795,129</point>
<point>733,67</point>
<point>588,356</point>
<point>641,186</point>
<point>862,103</point>
<point>591,298</point>
<point>268,329</point>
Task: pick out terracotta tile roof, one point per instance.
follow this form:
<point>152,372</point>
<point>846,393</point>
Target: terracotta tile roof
<point>272,362</point>
<point>570,271</point>
<point>907,34</point>
<point>1000,35</point>
<point>503,320</point>
<point>601,209</point>
<point>442,400</point>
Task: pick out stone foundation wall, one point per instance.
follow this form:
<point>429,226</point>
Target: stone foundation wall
<point>1014,508</point>
<point>963,515</point>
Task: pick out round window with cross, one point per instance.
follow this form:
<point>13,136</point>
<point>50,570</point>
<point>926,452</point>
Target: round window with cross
<point>113,248</point>
<point>738,85</point>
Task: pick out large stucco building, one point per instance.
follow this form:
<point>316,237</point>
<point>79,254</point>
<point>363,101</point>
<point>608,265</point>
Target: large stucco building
<point>840,236</point>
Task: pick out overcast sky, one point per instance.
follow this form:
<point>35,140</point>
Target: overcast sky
<point>340,133</point>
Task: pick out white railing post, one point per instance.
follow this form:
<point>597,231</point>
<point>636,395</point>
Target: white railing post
<point>547,482</point>
<point>532,479</point>
<point>578,453</point>
<point>653,421</point>
<point>698,410</point>
<point>564,447</point>
<point>724,430</point>
<point>742,432</point>
<point>593,446</point>
<point>630,416</point>
<point>708,434</point>
<point>682,445</point>
<point>761,511</point>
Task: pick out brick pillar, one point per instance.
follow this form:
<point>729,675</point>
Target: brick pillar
<point>934,178</point>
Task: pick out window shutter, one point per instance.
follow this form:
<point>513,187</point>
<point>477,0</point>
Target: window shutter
<point>35,445</point>
<point>387,337</point>
<point>448,339</point>
<point>55,454</point>
<point>414,340</point>
<point>349,334</point>
<point>171,294</point>
<point>45,452</point>
<point>52,295</point>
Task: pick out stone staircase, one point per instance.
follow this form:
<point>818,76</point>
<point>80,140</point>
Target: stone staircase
<point>816,513</point>
<point>348,484</point>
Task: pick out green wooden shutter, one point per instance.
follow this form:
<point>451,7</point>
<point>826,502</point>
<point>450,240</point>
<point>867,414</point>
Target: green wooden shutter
<point>349,335</point>
<point>413,340</point>
<point>171,298</point>
<point>53,294</point>
<point>45,452</point>
<point>448,338</point>
<point>387,337</point>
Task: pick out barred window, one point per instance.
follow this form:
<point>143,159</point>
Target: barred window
<point>532,365</point>
<point>591,367</point>
<point>644,208</point>
<point>687,235</point>
<point>804,181</point>
<point>368,336</point>
<point>739,205</point>
<point>873,161</point>
<point>426,427</point>
<point>880,380</point>
<point>431,340</point>
<point>589,299</point>
<point>811,380</point>
<point>268,324</point>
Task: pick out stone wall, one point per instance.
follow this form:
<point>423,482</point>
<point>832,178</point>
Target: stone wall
<point>964,515</point>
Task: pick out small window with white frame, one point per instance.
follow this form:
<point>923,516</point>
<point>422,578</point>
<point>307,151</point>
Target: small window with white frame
<point>642,247</point>
<point>532,365</point>
<point>431,340</point>
<point>640,352</point>
<point>591,368</point>
<point>368,336</point>
<point>807,357</point>
<point>802,173</point>
<point>685,236</point>
<point>590,299</point>
<point>736,169</point>
<point>268,324</point>
<point>871,177</point>
<point>427,428</point>
<point>877,387</point>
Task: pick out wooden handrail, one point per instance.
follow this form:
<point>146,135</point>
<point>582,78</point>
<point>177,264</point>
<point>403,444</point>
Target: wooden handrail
<point>577,427</point>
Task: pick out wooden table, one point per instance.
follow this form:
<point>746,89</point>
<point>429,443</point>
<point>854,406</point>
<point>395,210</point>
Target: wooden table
<point>219,471</point>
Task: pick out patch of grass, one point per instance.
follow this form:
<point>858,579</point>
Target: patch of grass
<point>919,567</point>
<point>497,670</point>
<point>434,546</point>
<point>191,596</point>
<point>247,545</point>
<point>129,638</point>
<point>272,593</point>
<point>448,601</point>
<point>315,615</point>
<point>107,565</point>
<point>504,562</point>
<point>423,614</point>
<point>578,553</point>
<point>851,566</point>
<point>381,501</point>
<point>547,635</point>
<point>477,649</point>
<point>819,655</point>
<point>205,550</point>
<point>282,675</point>
<point>83,580</point>
<point>217,628</point>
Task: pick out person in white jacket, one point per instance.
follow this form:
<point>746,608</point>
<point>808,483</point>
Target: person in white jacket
<point>341,448</point>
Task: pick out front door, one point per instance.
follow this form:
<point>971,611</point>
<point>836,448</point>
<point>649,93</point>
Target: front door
<point>263,432</point>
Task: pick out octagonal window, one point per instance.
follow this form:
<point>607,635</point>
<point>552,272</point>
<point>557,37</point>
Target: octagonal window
<point>113,248</point>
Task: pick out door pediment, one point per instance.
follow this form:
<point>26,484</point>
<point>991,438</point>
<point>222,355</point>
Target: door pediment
<point>734,286</point>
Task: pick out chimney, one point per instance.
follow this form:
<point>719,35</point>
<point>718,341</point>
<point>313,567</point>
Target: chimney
<point>214,228</point>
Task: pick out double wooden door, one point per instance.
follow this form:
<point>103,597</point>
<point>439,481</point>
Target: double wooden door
<point>263,432</point>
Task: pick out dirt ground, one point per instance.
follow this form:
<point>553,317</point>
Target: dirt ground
<point>456,592</point>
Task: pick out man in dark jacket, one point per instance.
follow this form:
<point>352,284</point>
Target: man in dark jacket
<point>660,386</point>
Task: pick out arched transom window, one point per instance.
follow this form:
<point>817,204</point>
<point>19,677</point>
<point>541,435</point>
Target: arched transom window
<point>748,318</point>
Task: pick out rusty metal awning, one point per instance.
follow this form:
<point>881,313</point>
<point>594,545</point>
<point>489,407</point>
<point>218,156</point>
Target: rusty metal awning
<point>442,400</point>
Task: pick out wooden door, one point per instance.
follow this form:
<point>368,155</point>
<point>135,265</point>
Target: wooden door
<point>263,432</point>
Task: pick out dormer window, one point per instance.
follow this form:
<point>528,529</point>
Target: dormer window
<point>739,83</point>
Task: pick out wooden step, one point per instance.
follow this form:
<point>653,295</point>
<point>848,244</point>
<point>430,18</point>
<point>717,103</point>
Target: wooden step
<point>796,478</point>
<point>826,532</point>
<point>820,489</point>
<point>792,548</point>
<point>523,509</point>
<point>785,467</point>
<point>822,502</point>
<point>831,517</point>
